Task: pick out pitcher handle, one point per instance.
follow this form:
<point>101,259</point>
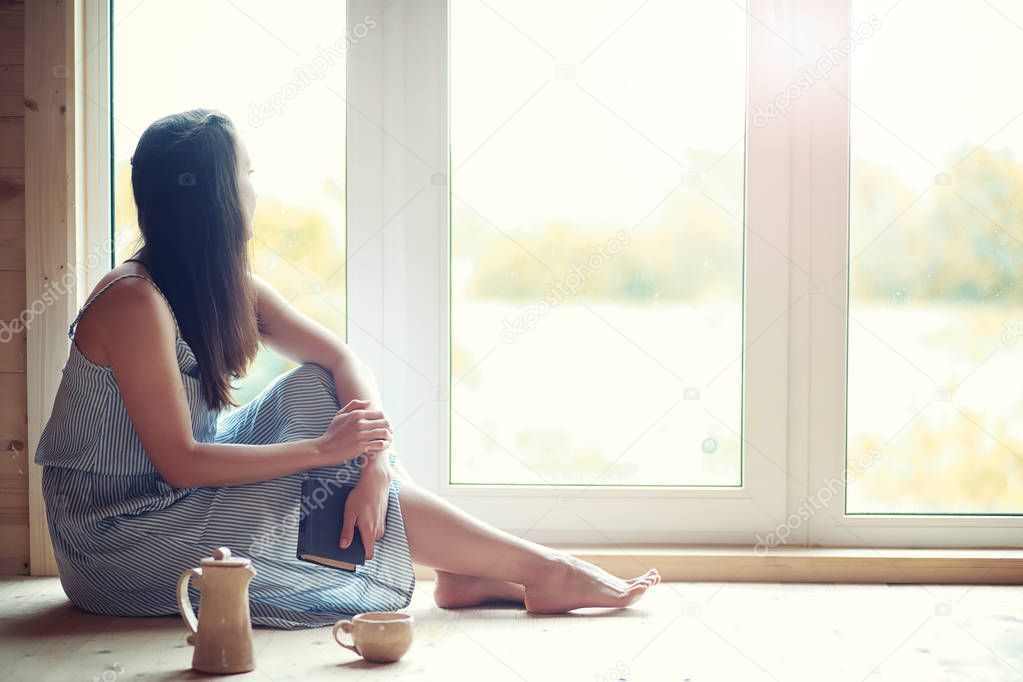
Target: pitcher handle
<point>185,604</point>
<point>346,627</point>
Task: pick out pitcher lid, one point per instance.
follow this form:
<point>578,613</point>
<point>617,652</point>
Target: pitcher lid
<point>222,557</point>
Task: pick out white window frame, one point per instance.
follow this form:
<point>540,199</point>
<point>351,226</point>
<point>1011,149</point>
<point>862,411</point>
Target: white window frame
<point>794,378</point>
<point>826,185</point>
<point>398,78</point>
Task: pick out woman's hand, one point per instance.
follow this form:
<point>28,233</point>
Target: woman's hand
<point>366,507</point>
<point>355,430</point>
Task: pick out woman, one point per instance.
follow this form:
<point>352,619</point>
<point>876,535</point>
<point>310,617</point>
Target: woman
<point>140,480</point>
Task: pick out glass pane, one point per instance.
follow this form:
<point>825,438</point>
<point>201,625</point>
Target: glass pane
<point>597,153</point>
<point>280,75</point>
<point>936,255</point>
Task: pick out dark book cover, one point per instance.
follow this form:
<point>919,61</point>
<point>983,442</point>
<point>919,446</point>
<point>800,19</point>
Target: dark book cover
<point>319,527</point>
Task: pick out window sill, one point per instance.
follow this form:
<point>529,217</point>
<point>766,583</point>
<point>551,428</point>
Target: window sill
<point>807,565</point>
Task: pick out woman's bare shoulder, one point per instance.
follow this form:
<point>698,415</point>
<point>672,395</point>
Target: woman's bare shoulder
<point>120,291</point>
<point>128,268</point>
<point>127,305</point>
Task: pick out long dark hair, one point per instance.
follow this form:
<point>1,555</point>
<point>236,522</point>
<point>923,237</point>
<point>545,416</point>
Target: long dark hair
<point>184,177</point>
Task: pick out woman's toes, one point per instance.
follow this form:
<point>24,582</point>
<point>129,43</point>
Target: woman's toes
<point>651,577</point>
<point>632,594</point>
<point>583,585</point>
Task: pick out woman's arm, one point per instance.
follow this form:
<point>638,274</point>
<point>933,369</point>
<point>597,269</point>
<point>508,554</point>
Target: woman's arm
<point>137,333</point>
<point>301,339</point>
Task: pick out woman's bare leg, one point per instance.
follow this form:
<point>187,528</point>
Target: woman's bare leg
<point>455,591</point>
<point>446,538</point>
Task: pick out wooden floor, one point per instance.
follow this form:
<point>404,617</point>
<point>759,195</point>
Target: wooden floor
<point>681,631</point>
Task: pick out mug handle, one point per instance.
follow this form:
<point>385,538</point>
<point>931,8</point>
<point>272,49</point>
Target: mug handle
<point>346,627</point>
<point>185,604</point>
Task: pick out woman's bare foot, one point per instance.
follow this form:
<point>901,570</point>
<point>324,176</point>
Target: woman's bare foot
<point>576,584</point>
<point>454,591</point>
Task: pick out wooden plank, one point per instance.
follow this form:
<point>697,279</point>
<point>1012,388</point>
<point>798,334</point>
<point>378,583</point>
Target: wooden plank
<point>14,527</point>
<point>13,494</point>
<point>12,105</point>
<point>14,549</point>
<point>12,32</point>
<point>12,79</point>
<point>13,351</point>
<point>806,565</point>
<point>13,474</point>
<point>12,194</point>
<point>12,244</point>
<point>12,90</point>
<point>12,142</point>
<point>810,565</point>
<point>14,416</point>
<point>12,295</point>
<point>49,228</point>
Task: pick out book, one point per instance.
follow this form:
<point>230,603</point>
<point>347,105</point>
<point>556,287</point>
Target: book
<point>319,526</point>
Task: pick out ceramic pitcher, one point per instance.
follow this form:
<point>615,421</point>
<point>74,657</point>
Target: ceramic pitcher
<point>222,634</point>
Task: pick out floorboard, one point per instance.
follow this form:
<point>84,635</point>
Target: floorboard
<point>681,631</point>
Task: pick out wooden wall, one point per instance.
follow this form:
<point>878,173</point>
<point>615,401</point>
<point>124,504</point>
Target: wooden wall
<point>13,402</point>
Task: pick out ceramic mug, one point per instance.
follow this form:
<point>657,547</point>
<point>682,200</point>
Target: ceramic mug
<point>378,636</point>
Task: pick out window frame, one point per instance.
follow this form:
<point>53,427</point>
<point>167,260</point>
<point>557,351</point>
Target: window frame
<point>409,155</point>
<point>827,183</point>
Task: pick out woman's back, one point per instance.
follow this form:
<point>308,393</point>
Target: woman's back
<point>89,428</point>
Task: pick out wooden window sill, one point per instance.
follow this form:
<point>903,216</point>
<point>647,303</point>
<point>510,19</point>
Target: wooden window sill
<point>807,565</point>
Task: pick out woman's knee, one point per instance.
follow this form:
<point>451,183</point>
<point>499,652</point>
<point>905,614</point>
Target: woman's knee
<point>302,403</point>
<point>307,383</point>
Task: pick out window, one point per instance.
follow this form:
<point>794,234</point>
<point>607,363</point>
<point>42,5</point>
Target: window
<point>280,76</point>
<point>936,245</point>
<point>506,96</point>
<point>596,268</point>
<point>642,271</point>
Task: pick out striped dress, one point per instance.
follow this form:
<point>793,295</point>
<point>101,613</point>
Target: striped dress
<point>122,535</point>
